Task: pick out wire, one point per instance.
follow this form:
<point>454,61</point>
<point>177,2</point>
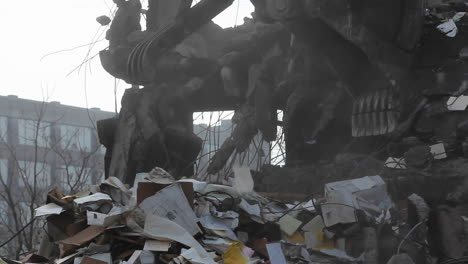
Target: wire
<point>294,207</point>
<point>454,261</point>
<point>115,96</point>
<point>18,232</point>
<point>298,209</point>
<point>408,234</point>
<point>237,12</point>
<point>70,49</point>
<point>397,163</point>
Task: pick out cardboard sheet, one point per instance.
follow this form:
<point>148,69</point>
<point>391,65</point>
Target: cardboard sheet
<point>148,189</point>
<point>56,196</point>
<point>90,260</point>
<point>102,258</point>
<point>34,258</point>
<point>84,236</point>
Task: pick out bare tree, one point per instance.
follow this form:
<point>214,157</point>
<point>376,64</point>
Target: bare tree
<point>41,144</point>
<point>76,158</point>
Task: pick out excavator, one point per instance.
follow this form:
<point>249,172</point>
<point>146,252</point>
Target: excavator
<point>367,87</point>
<point>348,74</point>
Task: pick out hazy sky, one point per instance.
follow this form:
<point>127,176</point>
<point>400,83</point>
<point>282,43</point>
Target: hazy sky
<point>32,29</point>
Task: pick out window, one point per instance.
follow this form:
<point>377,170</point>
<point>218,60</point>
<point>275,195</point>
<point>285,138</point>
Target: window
<point>3,129</point>
<point>28,129</point>
<point>75,138</point>
<point>74,176</point>
<point>4,170</point>
<point>29,171</point>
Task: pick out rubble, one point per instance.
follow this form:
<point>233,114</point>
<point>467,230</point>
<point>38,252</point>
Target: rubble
<point>374,95</point>
<point>187,221</point>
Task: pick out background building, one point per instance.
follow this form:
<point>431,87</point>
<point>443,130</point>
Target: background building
<point>47,144</point>
<point>214,135</point>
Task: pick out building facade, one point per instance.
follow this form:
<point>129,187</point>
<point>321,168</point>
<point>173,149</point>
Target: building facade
<point>49,144</point>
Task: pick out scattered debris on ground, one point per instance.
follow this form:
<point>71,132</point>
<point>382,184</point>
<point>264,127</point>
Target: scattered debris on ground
<point>163,220</point>
<point>374,99</point>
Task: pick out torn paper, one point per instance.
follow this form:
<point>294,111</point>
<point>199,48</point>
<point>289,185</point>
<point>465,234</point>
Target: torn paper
<point>98,219</point>
<point>243,181</point>
<point>235,254</point>
<point>147,257</point>
<point>315,225</point>
<point>116,183</point>
<point>458,16</point>
<point>449,28</point>
<point>339,254</point>
<point>172,204</point>
<point>355,185</point>
<point>275,252</point>
<point>214,223</point>
<point>396,163</point>
<point>220,245</point>
<point>339,208</point>
<point>135,256</point>
<point>161,228</point>
<point>311,239</point>
<point>65,260</point>
<point>457,103</point>
<point>193,256</point>
<point>157,245</point>
<point>251,209</point>
<point>97,197</point>
<point>289,224</point>
<point>48,209</point>
<point>364,183</point>
<point>438,151</point>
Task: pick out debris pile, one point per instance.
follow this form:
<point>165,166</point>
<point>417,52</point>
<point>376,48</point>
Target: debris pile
<point>161,220</point>
<point>362,95</point>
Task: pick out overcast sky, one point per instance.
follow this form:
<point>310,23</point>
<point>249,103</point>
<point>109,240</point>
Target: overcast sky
<point>32,29</point>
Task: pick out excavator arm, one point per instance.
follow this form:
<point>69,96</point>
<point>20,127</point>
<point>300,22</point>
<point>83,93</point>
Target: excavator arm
<point>142,59</point>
